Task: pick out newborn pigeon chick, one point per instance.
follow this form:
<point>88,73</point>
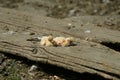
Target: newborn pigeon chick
<point>62,41</point>
<point>46,41</point>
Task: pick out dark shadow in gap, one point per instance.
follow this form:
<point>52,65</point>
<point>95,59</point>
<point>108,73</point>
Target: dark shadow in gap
<point>115,46</point>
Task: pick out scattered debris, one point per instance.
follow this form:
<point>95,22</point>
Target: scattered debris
<point>72,12</point>
<point>106,1</point>
<point>9,32</point>
<point>69,24</point>
<point>87,39</point>
<point>39,38</point>
<point>87,31</point>
<point>32,69</point>
<point>55,77</point>
<point>2,57</point>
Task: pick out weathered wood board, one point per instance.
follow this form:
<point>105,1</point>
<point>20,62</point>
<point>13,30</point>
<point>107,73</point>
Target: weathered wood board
<point>85,56</point>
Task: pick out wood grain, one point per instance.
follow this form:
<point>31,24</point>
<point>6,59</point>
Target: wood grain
<point>85,56</point>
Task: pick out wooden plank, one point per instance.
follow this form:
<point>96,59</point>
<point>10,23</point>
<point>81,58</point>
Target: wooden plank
<point>85,56</point>
<point>56,27</point>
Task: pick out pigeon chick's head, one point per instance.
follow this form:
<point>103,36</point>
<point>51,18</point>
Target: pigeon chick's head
<point>50,38</point>
<point>70,39</point>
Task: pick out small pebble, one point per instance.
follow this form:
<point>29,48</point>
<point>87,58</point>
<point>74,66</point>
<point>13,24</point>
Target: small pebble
<point>39,38</point>
<point>59,6</point>
<point>9,32</point>
<point>72,12</point>
<point>88,31</point>
<point>69,24</point>
<point>88,39</point>
<point>32,68</point>
<point>56,77</point>
<point>106,1</point>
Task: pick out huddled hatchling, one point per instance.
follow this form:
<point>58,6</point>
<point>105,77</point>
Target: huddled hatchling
<point>57,41</point>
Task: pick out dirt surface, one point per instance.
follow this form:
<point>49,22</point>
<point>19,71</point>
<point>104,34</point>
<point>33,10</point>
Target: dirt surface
<point>15,68</point>
<point>68,8</point>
